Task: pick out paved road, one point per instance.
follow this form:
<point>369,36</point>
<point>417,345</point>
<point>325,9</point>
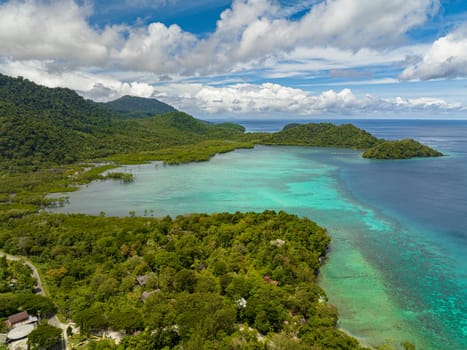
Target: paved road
<point>35,273</point>
<point>53,321</point>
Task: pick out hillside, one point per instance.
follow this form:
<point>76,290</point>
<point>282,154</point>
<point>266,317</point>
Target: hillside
<point>402,149</point>
<point>138,107</point>
<point>41,126</point>
<point>348,136</point>
<point>323,135</point>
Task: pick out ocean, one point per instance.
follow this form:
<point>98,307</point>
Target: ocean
<point>397,268</point>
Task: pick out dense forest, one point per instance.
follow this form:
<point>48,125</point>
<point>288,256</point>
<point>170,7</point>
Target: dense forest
<point>221,281</point>
<point>401,149</point>
<point>323,135</point>
<point>41,127</point>
<point>138,107</point>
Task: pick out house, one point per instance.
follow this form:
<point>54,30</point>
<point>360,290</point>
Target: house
<point>142,280</point>
<point>17,318</point>
<point>147,294</point>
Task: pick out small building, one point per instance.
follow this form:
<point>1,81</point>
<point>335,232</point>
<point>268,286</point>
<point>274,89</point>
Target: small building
<point>17,318</point>
<point>147,294</point>
<point>142,280</point>
<point>19,332</point>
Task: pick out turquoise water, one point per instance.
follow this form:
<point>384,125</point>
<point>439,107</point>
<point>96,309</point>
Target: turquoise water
<point>397,267</point>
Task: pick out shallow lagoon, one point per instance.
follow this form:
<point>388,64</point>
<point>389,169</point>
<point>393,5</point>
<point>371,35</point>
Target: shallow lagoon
<point>397,268</point>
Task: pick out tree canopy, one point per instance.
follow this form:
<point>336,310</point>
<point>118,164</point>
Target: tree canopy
<point>402,149</point>
<point>138,107</point>
<point>221,280</point>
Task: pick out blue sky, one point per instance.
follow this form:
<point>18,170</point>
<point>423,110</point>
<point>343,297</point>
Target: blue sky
<point>249,58</point>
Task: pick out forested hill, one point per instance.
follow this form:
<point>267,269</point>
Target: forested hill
<point>323,135</point>
<point>138,107</point>
<point>19,95</point>
<point>40,126</point>
<point>348,136</point>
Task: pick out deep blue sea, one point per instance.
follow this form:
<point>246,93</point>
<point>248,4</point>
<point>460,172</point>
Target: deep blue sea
<point>397,269</point>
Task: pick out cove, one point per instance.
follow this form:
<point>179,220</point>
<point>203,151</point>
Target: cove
<point>392,278</point>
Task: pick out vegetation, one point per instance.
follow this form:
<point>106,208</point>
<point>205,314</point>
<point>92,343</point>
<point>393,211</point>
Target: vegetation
<point>323,135</point>
<point>123,177</point>
<point>11,303</point>
<point>138,107</point>
<point>201,281</point>
<point>348,136</point>
<point>44,337</point>
<point>402,149</point>
<point>42,127</point>
<point>15,277</point>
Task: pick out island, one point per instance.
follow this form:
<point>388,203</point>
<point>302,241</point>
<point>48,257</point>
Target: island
<point>400,149</point>
<point>348,136</point>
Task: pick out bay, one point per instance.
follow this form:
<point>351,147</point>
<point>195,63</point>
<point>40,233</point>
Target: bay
<point>397,269</point>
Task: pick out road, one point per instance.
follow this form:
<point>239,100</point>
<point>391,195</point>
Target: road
<point>53,321</point>
<point>35,273</point>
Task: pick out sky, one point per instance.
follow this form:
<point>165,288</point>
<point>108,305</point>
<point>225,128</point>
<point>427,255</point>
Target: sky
<point>248,59</point>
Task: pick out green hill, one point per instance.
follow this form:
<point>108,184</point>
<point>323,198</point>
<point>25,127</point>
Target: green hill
<point>41,126</point>
<point>138,107</point>
<point>402,149</point>
<point>348,136</point>
<point>323,135</point>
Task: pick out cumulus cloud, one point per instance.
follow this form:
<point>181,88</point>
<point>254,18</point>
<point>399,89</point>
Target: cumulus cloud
<point>235,99</point>
<point>446,58</point>
<point>55,30</point>
<point>251,30</point>
<point>248,99</point>
<point>98,87</point>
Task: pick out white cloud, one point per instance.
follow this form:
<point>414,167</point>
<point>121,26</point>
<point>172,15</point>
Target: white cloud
<point>250,31</point>
<point>446,58</point>
<point>250,99</point>
<point>302,61</point>
<point>99,87</point>
<point>237,99</point>
<point>52,30</point>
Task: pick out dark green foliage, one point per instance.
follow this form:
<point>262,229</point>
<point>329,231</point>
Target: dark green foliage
<point>33,303</point>
<point>123,177</point>
<point>408,346</point>
<point>44,337</point>
<point>40,127</point>
<point>138,107</point>
<point>197,269</point>
<point>289,126</point>
<point>233,126</point>
<point>15,277</point>
<point>348,136</point>
<point>322,135</point>
<point>402,149</point>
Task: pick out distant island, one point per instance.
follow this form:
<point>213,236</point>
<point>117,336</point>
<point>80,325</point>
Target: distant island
<point>401,149</point>
<point>348,136</point>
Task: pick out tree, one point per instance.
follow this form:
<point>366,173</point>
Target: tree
<point>44,337</point>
